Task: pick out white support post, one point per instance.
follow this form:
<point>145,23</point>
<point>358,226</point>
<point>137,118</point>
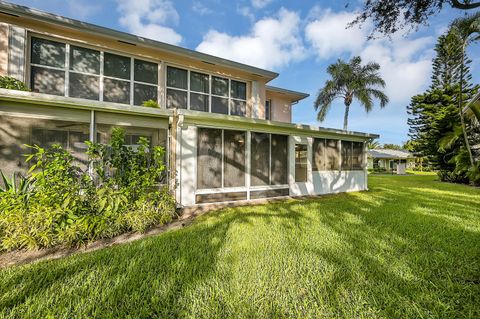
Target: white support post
<point>248,144</point>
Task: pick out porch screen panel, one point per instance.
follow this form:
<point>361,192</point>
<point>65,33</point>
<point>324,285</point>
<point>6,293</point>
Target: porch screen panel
<point>332,156</point>
<point>346,155</point>
<point>234,158</point>
<point>209,158</point>
<point>318,154</point>
<point>279,164</point>
<point>357,156</point>
<point>300,162</point>
<point>16,131</point>
<point>260,157</point>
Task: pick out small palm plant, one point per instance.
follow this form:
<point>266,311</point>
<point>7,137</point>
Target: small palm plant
<point>350,81</point>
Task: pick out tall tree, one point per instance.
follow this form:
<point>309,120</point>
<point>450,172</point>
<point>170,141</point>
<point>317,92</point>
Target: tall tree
<point>389,16</point>
<point>468,31</point>
<point>351,81</point>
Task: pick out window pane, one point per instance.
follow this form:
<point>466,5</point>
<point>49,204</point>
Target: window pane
<point>234,158</point>
<point>116,66</point>
<point>219,105</point>
<point>46,52</point>
<point>238,90</point>
<point>267,109</point>
<point>357,156</point>
<point>116,91</point>
<point>209,158</point>
<point>318,154</point>
<point>47,81</point>
<point>177,78</point>
<point>199,102</point>
<point>332,157</point>
<point>199,82</point>
<point>145,71</point>
<point>239,108</point>
<point>300,163</point>
<point>84,86</point>
<point>219,86</point>
<point>260,157</point>
<point>346,155</point>
<point>279,159</point>
<point>144,93</point>
<point>176,99</point>
<point>47,137</point>
<point>84,60</point>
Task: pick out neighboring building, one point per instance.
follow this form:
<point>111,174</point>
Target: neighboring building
<point>227,133</point>
<point>391,160</point>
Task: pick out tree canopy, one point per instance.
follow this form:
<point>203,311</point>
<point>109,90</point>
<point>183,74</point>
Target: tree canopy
<point>390,16</point>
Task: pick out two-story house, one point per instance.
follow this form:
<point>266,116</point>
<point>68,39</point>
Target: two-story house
<point>228,134</point>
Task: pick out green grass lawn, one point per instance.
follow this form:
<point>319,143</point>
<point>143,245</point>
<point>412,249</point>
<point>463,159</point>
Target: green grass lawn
<point>410,247</point>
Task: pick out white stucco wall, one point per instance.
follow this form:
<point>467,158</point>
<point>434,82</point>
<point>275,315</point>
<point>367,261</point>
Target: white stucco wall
<point>318,183</point>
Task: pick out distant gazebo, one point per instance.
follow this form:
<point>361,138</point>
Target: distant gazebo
<point>391,160</point>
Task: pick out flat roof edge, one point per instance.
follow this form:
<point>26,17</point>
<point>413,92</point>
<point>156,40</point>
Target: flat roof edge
<point>300,95</point>
<point>76,103</point>
<point>288,126</point>
<point>19,10</point>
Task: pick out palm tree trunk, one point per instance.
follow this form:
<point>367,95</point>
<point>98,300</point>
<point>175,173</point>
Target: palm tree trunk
<point>460,107</point>
<point>345,118</point>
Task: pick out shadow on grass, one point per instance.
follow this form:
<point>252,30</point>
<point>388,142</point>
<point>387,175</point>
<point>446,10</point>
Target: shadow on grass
<point>388,252</point>
<point>149,278</point>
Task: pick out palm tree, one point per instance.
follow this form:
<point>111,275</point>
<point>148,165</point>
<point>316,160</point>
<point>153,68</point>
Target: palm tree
<point>348,81</point>
<point>468,30</point>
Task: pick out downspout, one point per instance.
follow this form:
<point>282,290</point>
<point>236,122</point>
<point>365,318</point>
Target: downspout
<point>176,124</point>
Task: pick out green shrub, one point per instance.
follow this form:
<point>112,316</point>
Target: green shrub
<point>7,82</point>
<point>57,203</point>
<point>151,103</point>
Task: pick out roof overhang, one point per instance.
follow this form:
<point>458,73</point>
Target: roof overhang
<point>14,10</point>
<point>294,96</point>
<point>34,98</point>
<point>243,123</point>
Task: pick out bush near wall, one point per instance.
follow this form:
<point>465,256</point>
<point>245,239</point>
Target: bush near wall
<point>58,203</point>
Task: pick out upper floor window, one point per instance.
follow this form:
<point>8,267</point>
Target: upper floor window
<point>203,92</point>
<point>68,70</point>
<point>268,109</point>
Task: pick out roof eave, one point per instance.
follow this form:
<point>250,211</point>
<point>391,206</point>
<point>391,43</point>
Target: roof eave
<point>22,11</point>
<point>297,96</point>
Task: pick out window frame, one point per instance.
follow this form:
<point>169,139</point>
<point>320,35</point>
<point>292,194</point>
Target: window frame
<point>325,162</point>
<point>269,185</point>
<point>306,163</point>
<point>68,43</point>
<point>210,94</point>
<point>268,110</point>
<point>222,188</point>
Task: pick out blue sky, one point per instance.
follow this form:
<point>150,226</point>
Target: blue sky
<point>297,39</point>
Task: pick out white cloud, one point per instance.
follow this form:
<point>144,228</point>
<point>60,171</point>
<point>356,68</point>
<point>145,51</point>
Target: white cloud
<point>201,9</point>
<point>405,64</point>
<point>328,34</point>
<point>147,18</point>
<point>246,12</point>
<point>259,4</point>
<point>273,42</point>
